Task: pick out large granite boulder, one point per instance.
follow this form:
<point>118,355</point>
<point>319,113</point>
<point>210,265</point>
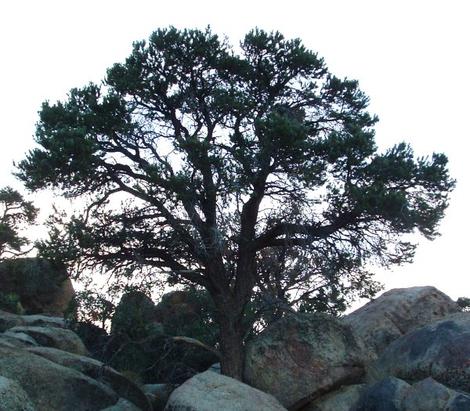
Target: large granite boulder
<point>10,320</point>
<point>13,397</point>
<point>302,357</point>
<point>92,368</point>
<point>51,386</point>
<point>398,312</point>
<point>440,350</point>
<point>40,286</point>
<point>62,339</point>
<point>210,391</point>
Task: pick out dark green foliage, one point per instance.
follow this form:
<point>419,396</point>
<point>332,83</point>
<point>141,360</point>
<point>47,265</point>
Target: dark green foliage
<point>157,359</point>
<point>464,303</point>
<point>11,302</point>
<point>135,316</point>
<point>33,280</point>
<point>15,214</point>
<point>90,307</point>
<point>189,313</point>
<point>220,158</point>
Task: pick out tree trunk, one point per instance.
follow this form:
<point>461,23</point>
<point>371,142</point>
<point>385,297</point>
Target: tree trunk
<point>231,347</point>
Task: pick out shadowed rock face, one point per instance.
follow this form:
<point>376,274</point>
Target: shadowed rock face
<point>302,357</point>
<point>440,350</point>
<point>385,395</point>
<point>340,400</point>
<point>398,312</point>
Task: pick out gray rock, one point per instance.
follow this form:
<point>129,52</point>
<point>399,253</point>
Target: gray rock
<point>158,394</point>
<point>427,395</point>
<point>99,372</point>
<point>39,320</point>
<point>51,386</point>
<point>385,395</point>
<point>210,391</point>
<point>398,312</point>
<point>215,367</point>
<point>13,397</point>
<point>440,350</point>
<point>62,339</point>
<point>342,399</point>
<point>302,357</point>
<point>122,405</point>
<point>9,320</point>
<point>26,339</point>
<point>15,340</point>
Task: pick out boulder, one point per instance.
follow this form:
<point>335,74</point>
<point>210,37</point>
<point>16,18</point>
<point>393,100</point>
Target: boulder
<point>340,400</point>
<point>158,394</point>
<point>429,395</point>
<point>62,339</point>
<point>9,320</point>
<point>122,405</point>
<point>440,350</point>
<point>39,320</point>
<point>16,340</point>
<point>385,395</point>
<point>51,386</point>
<point>98,371</point>
<point>26,339</point>
<point>13,397</point>
<point>41,286</point>
<point>398,312</point>
<point>210,391</point>
<point>302,357</point>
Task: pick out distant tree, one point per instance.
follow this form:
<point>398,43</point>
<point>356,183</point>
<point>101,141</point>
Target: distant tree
<point>15,215</point>
<point>221,157</point>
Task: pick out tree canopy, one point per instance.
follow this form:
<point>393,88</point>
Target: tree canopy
<point>15,214</point>
<point>223,157</point>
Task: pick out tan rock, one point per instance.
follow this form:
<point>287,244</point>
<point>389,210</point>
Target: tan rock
<point>398,312</point>
<point>302,357</point>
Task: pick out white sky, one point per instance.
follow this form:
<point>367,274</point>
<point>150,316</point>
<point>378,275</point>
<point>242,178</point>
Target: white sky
<point>411,57</point>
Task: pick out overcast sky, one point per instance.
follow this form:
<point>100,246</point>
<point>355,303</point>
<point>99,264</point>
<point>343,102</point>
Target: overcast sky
<point>411,58</point>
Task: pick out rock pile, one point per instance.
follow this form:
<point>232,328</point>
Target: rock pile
<point>44,367</point>
<point>408,350</point>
